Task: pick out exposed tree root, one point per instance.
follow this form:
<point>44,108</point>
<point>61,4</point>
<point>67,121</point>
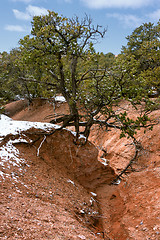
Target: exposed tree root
<point>138,148</point>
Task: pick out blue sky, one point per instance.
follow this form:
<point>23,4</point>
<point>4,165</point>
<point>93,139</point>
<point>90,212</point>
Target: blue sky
<point>120,17</point>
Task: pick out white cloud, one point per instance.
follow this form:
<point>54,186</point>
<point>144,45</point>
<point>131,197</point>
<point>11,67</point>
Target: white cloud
<point>25,1</point>
<point>30,12</point>
<point>21,15</point>
<point>99,4</point>
<point>15,28</point>
<point>155,16</point>
<point>128,20</point>
<point>36,11</point>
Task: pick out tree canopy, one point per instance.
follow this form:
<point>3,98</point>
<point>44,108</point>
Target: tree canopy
<point>141,56</point>
<point>59,58</point>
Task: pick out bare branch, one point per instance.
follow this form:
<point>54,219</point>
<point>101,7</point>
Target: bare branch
<point>138,147</point>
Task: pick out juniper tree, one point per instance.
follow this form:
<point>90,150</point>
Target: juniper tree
<point>62,49</point>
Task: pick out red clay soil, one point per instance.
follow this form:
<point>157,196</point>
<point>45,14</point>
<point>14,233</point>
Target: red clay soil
<point>43,198</point>
<point>39,110</point>
<point>51,198</point>
<point>132,208</point>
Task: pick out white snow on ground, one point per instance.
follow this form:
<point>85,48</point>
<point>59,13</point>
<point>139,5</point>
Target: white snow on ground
<point>9,154</point>
<point>60,99</point>
<point>104,161</point>
<point>70,181</point>
<point>94,194</point>
<point>9,126</point>
<point>81,136</point>
<point>11,164</point>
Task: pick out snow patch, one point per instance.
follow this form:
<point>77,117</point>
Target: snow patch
<point>9,126</point>
<point>9,156</point>
<point>70,181</point>
<point>94,194</point>
<point>8,152</point>
<point>117,182</point>
<point>104,161</point>
<point>92,200</point>
<point>5,118</point>
<point>21,140</point>
<point>81,136</point>
<point>60,99</point>
<point>82,211</point>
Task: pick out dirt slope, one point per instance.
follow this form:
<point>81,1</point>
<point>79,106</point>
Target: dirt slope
<point>47,187</point>
<point>40,110</point>
<point>133,207</point>
<point>41,197</point>
<point>129,210</point>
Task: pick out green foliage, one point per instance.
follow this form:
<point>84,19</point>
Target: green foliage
<point>59,57</point>
<point>141,57</point>
<point>8,89</point>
